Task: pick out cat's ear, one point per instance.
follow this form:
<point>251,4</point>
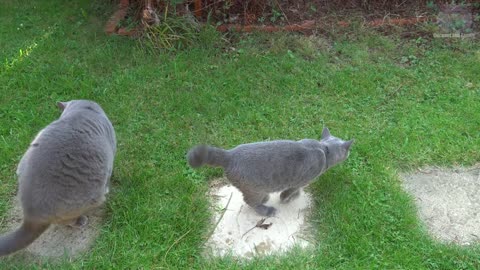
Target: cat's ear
<point>347,144</point>
<point>62,105</point>
<point>325,133</point>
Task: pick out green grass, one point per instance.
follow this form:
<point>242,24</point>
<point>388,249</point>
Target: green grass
<point>407,103</point>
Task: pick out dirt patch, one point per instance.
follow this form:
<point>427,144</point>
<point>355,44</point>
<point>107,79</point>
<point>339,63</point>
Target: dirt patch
<point>240,232</point>
<point>59,241</point>
<point>448,201</point>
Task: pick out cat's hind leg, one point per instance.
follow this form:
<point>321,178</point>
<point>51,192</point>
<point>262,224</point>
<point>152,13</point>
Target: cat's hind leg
<point>109,178</point>
<point>289,194</point>
<point>77,218</point>
<point>265,199</point>
<point>80,222</point>
<point>77,222</point>
<point>256,200</point>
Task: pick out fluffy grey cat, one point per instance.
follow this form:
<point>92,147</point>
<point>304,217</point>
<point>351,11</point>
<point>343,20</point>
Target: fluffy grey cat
<point>260,168</point>
<point>64,173</point>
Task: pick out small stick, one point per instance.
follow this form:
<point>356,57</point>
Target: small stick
<point>248,231</point>
<point>285,16</point>
<point>174,243</point>
<point>260,224</point>
<point>218,221</point>
<point>391,95</point>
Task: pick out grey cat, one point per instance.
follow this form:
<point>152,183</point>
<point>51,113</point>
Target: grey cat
<point>260,168</point>
<point>64,173</point>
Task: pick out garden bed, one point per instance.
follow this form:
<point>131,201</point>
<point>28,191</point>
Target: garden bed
<point>272,16</point>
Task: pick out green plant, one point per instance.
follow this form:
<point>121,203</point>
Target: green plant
<point>410,59</point>
<point>432,6</point>
<point>276,15</point>
<point>128,23</point>
<point>173,32</point>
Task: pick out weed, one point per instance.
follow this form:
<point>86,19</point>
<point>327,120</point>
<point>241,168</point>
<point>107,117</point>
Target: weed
<point>177,33</point>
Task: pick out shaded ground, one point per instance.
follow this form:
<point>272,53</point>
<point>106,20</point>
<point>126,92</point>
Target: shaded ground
<point>294,11</point>
<point>448,201</point>
<point>59,240</point>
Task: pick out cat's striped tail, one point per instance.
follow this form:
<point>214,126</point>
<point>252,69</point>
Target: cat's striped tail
<point>207,155</point>
<point>21,238</point>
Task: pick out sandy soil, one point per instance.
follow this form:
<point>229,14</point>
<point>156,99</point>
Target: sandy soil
<point>59,240</point>
<point>243,233</point>
<point>448,201</point>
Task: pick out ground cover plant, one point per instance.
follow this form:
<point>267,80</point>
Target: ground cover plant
<point>406,101</point>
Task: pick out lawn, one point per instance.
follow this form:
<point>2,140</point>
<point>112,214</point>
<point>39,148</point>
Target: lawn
<point>407,103</point>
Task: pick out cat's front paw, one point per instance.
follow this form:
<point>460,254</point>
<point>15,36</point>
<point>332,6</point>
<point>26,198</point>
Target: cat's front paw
<point>272,211</point>
<point>267,211</point>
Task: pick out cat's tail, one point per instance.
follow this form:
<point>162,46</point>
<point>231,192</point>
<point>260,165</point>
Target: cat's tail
<point>22,237</point>
<point>207,155</point>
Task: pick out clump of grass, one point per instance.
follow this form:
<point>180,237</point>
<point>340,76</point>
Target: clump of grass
<point>175,33</point>
<point>309,47</point>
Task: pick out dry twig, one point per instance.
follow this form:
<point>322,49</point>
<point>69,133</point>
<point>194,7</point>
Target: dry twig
<point>260,224</point>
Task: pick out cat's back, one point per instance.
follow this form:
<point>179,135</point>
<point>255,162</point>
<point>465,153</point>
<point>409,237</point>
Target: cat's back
<point>266,146</point>
<point>274,165</point>
<point>75,135</point>
<point>270,153</point>
<point>69,162</point>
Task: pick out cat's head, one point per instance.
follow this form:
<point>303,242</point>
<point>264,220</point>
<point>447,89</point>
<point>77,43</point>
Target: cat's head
<point>336,149</point>
<point>79,105</point>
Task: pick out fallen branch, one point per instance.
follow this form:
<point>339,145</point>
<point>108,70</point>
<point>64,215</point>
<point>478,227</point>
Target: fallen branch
<point>386,21</point>
<point>400,21</point>
<point>112,24</point>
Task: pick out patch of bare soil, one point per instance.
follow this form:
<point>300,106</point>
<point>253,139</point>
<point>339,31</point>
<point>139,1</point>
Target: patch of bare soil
<point>59,241</point>
<point>240,232</point>
<point>448,202</point>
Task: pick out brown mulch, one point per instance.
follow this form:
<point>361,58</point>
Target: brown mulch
<point>280,15</point>
<point>284,12</point>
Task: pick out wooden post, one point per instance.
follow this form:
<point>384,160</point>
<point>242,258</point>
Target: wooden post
<point>198,8</point>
